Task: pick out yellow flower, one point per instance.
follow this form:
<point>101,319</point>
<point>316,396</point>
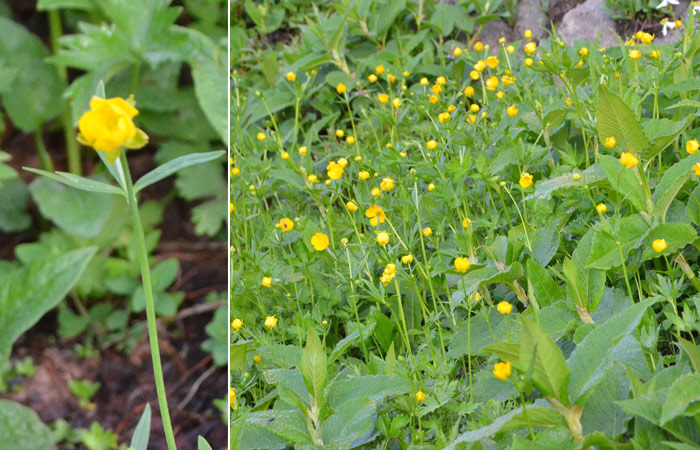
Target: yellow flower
<point>334,170</point>
<point>468,91</point>
<point>474,107</point>
<point>478,46</point>
<point>351,206</point>
<point>383,98</point>
<point>406,73</point>
<point>407,259</point>
<point>507,80</point>
<point>363,175</point>
<point>492,62</point>
<point>528,61</point>
<point>420,397</point>
<point>424,81</point>
<point>512,111</point>
<point>387,184</point>
<point>466,222</point>
<point>635,54</point>
<point>350,140</point>
<point>628,160</point>
<point>576,176</point>
<point>257,358</point>
<point>372,78</point>
<point>108,126</point>
<point>474,75</point>
<point>568,101</point>
<point>501,370</point>
<point>583,51</point>
<point>696,169</point>
<point>436,88</point>
<point>457,51</point>
<point>284,155</point>
<point>235,171</point>
<point>427,231</point>
<point>441,81</point>
<point>431,144</point>
<point>659,245</point>
<point>431,187</point>
<point>320,241</point>
<point>444,117</point>
<point>312,178</point>
<point>376,192</point>
<point>492,83</point>
<point>341,88</point>
<point>655,54</point>
<point>291,76</point>
<point>530,48</point>
<point>339,133</point>
<point>510,49</point>
<point>303,150</point>
<point>462,264</point>
<point>528,34</point>
<point>610,141</point>
<point>286,224</point>
<point>237,324</point>
<point>525,180</point>
<point>601,208</point>
<point>502,40</point>
<point>231,207</point>
<point>433,99</point>
<point>379,69</point>
<point>504,308</point>
<point>451,108</point>
<point>480,66</point>
<point>342,161</point>
<point>271,322</point>
<point>692,146</point>
<point>375,214</point>
<point>266,281</point>
<point>647,38</point>
<point>232,395</point>
<point>383,238</point>
<point>396,102</point>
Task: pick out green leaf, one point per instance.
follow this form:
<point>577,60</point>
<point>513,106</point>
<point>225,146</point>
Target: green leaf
<point>596,351</point>
<point>594,174</point>
<point>676,235</point>
<point>591,282</point>
<point>671,183</point>
<point>624,181</point>
<point>374,387</point>
<point>13,206</point>
<point>173,166</point>
<point>349,340</point>
<point>139,440</point>
<point>21,428</point>
<point>605,253</point>
<point>616,119</point>
<point>78,182</point>
<point>348,424</point>
<point>662,132</point>
<point>47,5</point>
<point>77,212</point>
<point>692,351</point>
<point>26,294</point>
<point>601,413</point>
<point>202,444</point>
<point>550,372</point>
<point>287,424</point>
<point>545,244</point>
<point>542,284</point>
<point>313,365</point>
<point>684,392</point>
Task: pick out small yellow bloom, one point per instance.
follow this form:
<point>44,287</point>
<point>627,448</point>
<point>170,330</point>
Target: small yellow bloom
<point>530,48</point>
<point>237,324</point>
<point>474,107</point>
<point>500,95</point>
<point>303,150</point>
<point>569,102</point>
<point>502,370</point>
<point>284,155</point>
<point>387,184</point>
<point>351,206</point>
<point>407,259</point>
<point>462,264</point>
<point>257,358</point>
<point>444,117</point>
<point>635,54</point>
<point>528,34</point>
<point>502,40</point>
<point>379,69</point>
<point>427,231</point>
<point>235,171</point>
<point>320,241</point>
<point>456,52</point>
<point>312,178</point>
<point>341,88</point>
<point>431,187</point>
<point>350,140</point>
<point>363,175</point>
<point>480,66</point>
<point>406,73</point>
<point>271,322</point>
<point>433,99</point>
<point>420,397</point>
<point>525,180</point>
<point>441,81</point>
<point>610,141</point>
<point>436,88</point>
<point>396,102</point>
<point>507,80</point>
<point>512,111</point>
<point>376,192</point>
<point>424,81</point>
<point>376,215</point>
<point>510,49</point>
<point>696,169</point>
<point>492,62</point>
<point>286,224</point>
<point>108,126</point>
<point>528,62</point>
<point>231,207</point>
<point>576,176</point>
<point>334,170</point>
<point>583,51</point>
<point>291,76</point>
<point>431,144</point>
<point>504,308</point>
<point>342,161</point>
<point>383,98</point>
<point>692,146</point>
<point>659,245</point>
<point>479,46</point>
<point>382,238</point>
<point>628,160</point>
<point>469,91</point>
<point>372,78</point>
<point>339,133</point>
<point>492,83</point>
<point>601,208</point>
<point>451,108</point>
<point>266,281</point>
<point>647,38</point>
<point>466,222</point>
<point>232,395</point>
<point>655,54</point>
<point>474,75</point>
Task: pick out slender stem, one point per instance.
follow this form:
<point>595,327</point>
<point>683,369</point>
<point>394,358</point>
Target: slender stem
<point>72,148</point>
<point>44,156</point>
<point>150,309</point>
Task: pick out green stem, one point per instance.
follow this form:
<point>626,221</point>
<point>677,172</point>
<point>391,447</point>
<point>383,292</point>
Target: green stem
<point>44,156</point>
<point>150,309</point>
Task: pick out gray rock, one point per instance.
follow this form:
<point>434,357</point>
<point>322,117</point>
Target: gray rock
<point>530,17</point>
<point>588,21</point>
<point>493,31</point>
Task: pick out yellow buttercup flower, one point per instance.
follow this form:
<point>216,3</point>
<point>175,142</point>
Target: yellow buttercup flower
<point>504,308</point>
<point>420,397</point>
<point>232,395</point>
<point>433,99</point>
<point>108,126</point>
<point>339,134</point>
<point>492,62</point>
<point>530,48</point>
<point>528,61</point>
<point>457,51</point>
<point>376,192</point>
<point>312,178</point>
<point>407,259</point>
<point>512,111</point>
<point>462,264</point>
<point>525,180</point>
<point>372,78</point>
<point>610,141</point>
<point>528,34</point>
<point>351,206</point>
<point>474,75</point>
<point>436,88</point>
<point>424,81</point>
<point>659,245</point>
<point>492,83</point>
<point>692,146</point>
<point>363,175</point>
<point>341,88</point>
<point>480,65</point>
<point>383,98</point>
<point>628,160</point>
<point>334,170</point>
<point>271,322</point>
<point>583,51</point>
<point>601,208</point>
<point>257,358</point>
<point>510,49</point>
<point>303,150</point>
<point>266,281</point>
<point>655,54</point>
<point>286,224</point>
<point>427,231</point>
<point>502,370</point>
<point>635,54</point>
<point>479,46</point>
<point>451,108</point>
<point>431,187</point>
<point>237,324</point>
<point>431,145</point>
<point>291,76</point>
<point>576,176</point>
<point>444,117</point>
<point>387,184</point>
<point>379,69</point>
<point>383,238</point>
<point>696,169</point>
<point>441,81</point>
<point>469,91</point>
<point>396,102</point>
<point>466,222</point>
<point>375,214</point>
<point>320,241</point>
<point>342,161</point>
<point>350,140</point>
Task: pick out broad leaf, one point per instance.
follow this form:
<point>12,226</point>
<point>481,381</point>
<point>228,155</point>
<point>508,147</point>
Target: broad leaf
<point>671,183</point>
<point>605,253</point>
<point>550,372</point>
<point>676,235</point>
<point>624,181</point>
<point>616,119</point>
<point>313,365</point>
<point>21,428</point>
<point>684,392</point>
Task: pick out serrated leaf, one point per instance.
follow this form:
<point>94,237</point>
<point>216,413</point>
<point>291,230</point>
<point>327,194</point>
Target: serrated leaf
<point>616,119</point>
<point>671,183</point>
<point>313,365</point>
<point>605,253</point>
<point>684,392</point>
<point>676,235</point>
<point>544,189</point>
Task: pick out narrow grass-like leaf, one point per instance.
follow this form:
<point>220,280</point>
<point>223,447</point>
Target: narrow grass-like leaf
<point>78,182</point>
<point>173,166</point>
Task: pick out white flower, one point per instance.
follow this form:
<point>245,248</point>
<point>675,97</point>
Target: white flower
<point>696,9</point>
<point>670,25</point>
<point>665,3</point>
